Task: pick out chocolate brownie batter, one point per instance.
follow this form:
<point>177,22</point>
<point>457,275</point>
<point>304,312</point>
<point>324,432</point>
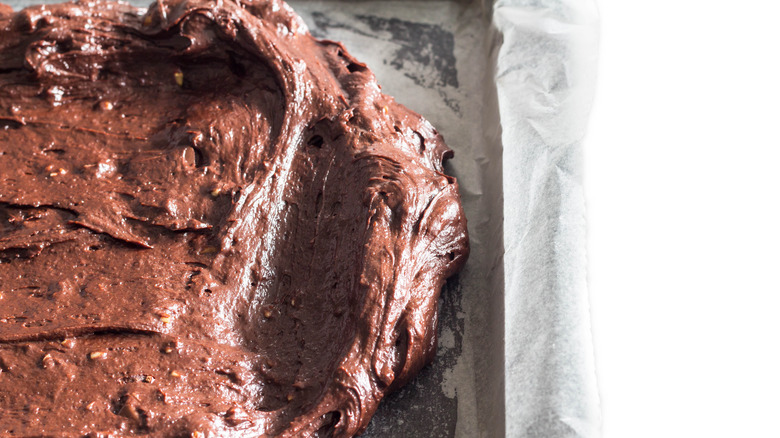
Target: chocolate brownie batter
<point>211,224</point>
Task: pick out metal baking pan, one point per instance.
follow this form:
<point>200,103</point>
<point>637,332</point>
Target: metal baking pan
<point>509,85</point>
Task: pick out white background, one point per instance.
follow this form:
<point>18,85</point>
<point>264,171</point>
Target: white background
<point>682,179</point>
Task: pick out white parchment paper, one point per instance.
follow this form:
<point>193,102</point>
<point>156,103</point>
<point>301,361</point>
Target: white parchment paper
<point>545,80</point>
<point>509,86</point>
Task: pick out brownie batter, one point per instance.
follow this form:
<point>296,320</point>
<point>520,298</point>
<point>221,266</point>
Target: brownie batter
<point>211,224</point>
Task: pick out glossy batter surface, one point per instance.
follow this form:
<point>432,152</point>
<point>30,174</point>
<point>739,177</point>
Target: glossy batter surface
<point>211,224</point>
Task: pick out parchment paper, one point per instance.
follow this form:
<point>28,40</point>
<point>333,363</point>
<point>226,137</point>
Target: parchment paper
<point>509,86</point>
